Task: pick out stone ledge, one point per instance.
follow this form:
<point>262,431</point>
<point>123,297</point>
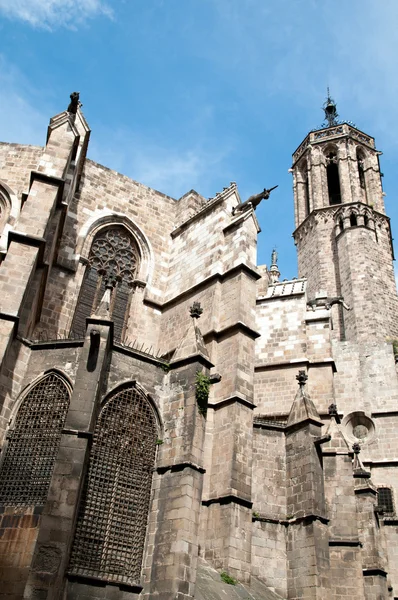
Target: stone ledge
<point>175,467</point>
<point>374,572</point>
<point>251,271</point>
<point>228,499</point>
<point>293,521</point>
<point>85,578</point>
<point>49,180</point>
<point>296,362</point>
<point>237,327</point>
<point>34,241</point>
<point>188,360</point>
<point>237,397</point>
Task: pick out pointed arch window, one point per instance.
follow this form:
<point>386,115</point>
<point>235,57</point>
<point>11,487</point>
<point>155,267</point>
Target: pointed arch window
<point>333,178</point>
<point>112,262</point>
<point>32,444</point>
<point>111,526</point>
<point>306,187</point>
<point>361,170</point>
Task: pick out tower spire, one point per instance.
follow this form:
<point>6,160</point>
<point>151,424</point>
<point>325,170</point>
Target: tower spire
<point>330,110</point>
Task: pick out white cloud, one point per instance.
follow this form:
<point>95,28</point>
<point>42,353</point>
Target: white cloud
<point>49,14</point>
<point>171,169</point>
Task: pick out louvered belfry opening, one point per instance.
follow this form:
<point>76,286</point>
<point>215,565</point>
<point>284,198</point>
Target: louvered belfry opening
<point>113,262</point>
<point>111,526</point>
<point>33,443</point>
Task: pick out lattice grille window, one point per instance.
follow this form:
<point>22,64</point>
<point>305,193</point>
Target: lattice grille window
<point>113,261</point>
<point>33,443</point>
<point>385,499</point>
<point>111,526</point>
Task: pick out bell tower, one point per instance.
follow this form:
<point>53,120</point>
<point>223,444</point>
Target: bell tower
<point>342,234</point>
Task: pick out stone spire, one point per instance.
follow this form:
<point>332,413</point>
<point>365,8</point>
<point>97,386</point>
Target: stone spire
<point>334,430</point>
<point>274,272</point>
<point>303,408</point>
<point>192,343</point>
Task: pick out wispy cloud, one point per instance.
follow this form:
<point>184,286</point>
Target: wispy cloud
<point>172,169</point>
<point>50,14</point>
<point>23,114</point>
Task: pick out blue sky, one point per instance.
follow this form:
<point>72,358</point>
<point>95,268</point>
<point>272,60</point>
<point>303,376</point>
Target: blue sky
<point>185,94</point>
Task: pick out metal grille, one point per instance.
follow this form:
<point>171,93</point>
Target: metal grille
<point>33,443</point>
<point>111,526</point>
<point>113,259</point>
<point>385,499</point>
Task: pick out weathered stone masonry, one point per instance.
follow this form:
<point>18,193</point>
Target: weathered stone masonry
<point>169,409</point>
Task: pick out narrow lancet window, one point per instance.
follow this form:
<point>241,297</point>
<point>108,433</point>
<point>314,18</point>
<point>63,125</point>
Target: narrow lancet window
<point>306,187</point>
<point>361,174</point>
<point>361,171</point>
<point>332,171</point>
<point>111,526</point>
<point>112,262</point>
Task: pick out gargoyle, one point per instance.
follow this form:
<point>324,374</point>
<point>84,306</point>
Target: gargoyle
<point>253,201</point>
<point>327,302</point>
<point>74,103</point>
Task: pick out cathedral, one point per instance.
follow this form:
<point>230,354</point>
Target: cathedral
<point>177,422</point>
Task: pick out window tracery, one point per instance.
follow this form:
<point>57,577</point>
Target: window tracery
<point>111,526</point>
<point>113,263</point>
<point>32,446</point>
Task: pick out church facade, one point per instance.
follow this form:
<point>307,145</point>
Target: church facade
<point>177,422</point>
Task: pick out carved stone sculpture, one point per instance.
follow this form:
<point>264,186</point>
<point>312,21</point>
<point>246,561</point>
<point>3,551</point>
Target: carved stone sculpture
<point>74,103</point>
<point>253,201</point>
<point>327,302</point>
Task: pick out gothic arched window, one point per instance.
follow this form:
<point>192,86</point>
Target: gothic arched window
<point>32,444</point>
<point>111,526</point>
<point>333,179</point>
<point>306,188</point>
<point>112,262</point>
<point>361,170</point>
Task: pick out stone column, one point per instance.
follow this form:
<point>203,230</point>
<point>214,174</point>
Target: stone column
<point>171,564</point>
<point>31,242</point>
<point>227,507</point>
<point>346,580</point>
<point>307,535</point>
<point>51,556</point>
<point>370,535</point>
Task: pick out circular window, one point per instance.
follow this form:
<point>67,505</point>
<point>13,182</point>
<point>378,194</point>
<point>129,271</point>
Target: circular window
<point>359,427</point>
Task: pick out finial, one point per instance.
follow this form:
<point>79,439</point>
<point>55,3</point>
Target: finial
<point>302,378</point>
<point>356,447</point>
<point>74,103</point>
<point>333,410</point>
<point>274,258</point>
<point>333,413</point>
<point>330,110</point>
<point>195,310</point>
